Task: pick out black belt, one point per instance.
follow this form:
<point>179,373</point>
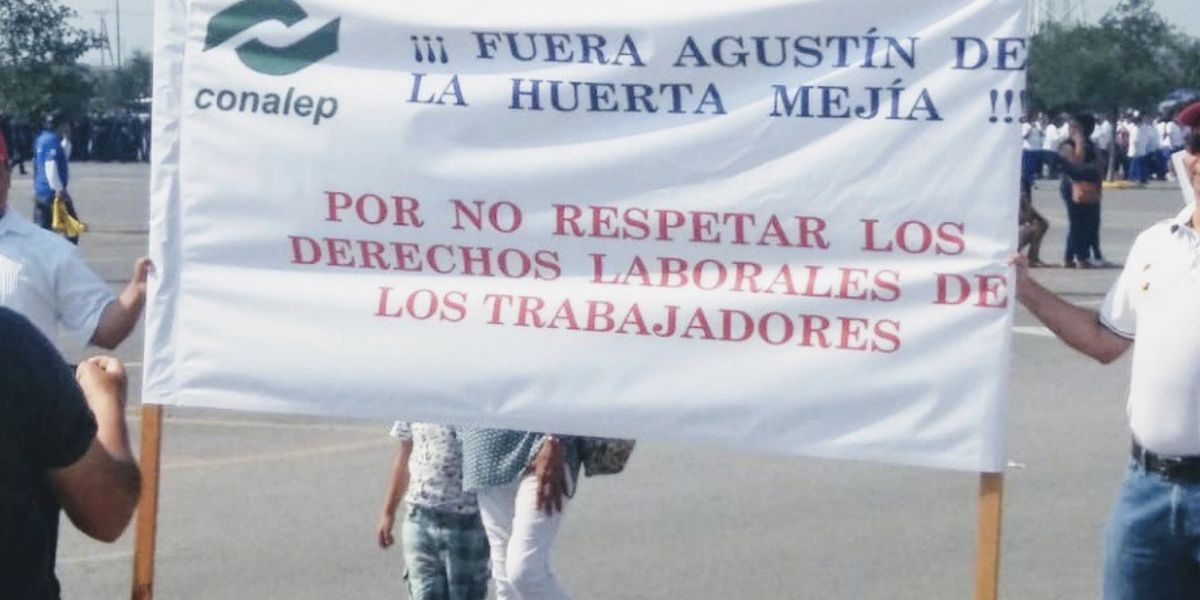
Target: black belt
<point>1179,469</point>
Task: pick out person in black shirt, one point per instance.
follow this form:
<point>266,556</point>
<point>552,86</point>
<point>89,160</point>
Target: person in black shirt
<point>63,443</point>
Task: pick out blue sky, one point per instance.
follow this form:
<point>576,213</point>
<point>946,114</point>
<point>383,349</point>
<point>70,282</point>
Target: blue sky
<point>137,19</point>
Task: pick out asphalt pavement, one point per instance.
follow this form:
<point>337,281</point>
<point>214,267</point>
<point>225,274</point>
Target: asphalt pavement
<point>268,507</point>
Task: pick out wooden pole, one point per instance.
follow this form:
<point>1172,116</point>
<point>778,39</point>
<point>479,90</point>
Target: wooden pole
<point>147,517</point>
<point>987,560</point>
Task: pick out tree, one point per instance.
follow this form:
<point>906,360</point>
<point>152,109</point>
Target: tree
<point>1131,59</point>
<point>39,54</point>
<point>119,88</point>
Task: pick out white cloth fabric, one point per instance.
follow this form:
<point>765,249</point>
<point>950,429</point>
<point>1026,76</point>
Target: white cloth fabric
<point>1051,138</point>
<point>1031,133</point>
<point>1174,137</point>
<point>1154,301</point>
<point>435,468</point>
<point>1151,137</point>
<point>43,277</point>
<point>52,176</point>
<point>1137,143</point>
<point>1102,136</point>
<point>521,539</point>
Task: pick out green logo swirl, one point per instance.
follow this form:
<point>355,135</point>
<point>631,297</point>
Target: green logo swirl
<point>272,60</point>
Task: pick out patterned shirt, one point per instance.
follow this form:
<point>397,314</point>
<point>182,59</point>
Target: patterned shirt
<point>494,457</point>
<point>435,468</point>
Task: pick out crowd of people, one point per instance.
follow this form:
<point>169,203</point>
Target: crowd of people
<point>1139,143</point>
<point>113,137</point>
<point>1082,151</point>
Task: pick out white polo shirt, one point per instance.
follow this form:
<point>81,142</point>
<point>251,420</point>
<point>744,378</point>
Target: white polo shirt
<point>1031,133</point>
<point>1156,301</point>
<point>1050,138</point>
<point>43,277</point>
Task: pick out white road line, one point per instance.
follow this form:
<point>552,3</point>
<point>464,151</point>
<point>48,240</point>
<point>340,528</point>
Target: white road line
<point>1038,331</point>
<point>274,456</point>
<point>75,560</point>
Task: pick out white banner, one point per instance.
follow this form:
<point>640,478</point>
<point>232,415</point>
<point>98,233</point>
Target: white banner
<point>772,224</point>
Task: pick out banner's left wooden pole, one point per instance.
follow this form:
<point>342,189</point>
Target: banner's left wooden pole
<point>987,559</point>
<point>147,515</point>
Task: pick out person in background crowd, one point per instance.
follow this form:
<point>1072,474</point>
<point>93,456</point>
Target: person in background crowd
<point>1053,135</point>
<point>51,171</point>
<point>445,547</point>
<point>63,446</point>
<point>45,279</point>
<point>1154,169</point>
<point>1031,148</point>
<point>1174,139</point>
<point>1150,541</point>
<point>13,131</point>
<point>523,481</point>
<point>81,133</point>
<point>6,131</point>
<point>1139,147</point>
<point>20,143</point>
<point>1032,226</point>
<point>1102,138</point>
<point>1121,146</point>
<point>1080,162</point>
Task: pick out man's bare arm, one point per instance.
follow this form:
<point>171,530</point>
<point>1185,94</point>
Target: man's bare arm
<point>121,315</point>
<point>1079,327</point>
<point>99,492</point>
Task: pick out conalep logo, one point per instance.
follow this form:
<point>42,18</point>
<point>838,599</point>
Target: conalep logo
<point>272,60</point>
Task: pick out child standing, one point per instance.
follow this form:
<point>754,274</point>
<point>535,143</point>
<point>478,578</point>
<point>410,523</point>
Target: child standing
<point>445,547</point>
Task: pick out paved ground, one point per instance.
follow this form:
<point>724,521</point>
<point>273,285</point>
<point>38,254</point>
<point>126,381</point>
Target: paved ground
<point>267,507</point>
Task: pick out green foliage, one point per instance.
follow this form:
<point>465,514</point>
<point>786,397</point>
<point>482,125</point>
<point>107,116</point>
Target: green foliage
<point>1131,59</point>
<point>39,54</point>
<point>117,89</point>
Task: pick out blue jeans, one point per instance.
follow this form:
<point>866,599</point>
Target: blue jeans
<point>1152,543</point>
<point>445,555</point>
<point>1031,165</point>
<point>1139,169</point>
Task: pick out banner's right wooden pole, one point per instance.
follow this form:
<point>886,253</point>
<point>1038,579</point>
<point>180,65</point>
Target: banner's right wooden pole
<point>147,514</point>
<point>987,560</point>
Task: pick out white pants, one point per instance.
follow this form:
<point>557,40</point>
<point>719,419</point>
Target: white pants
<point>521,538</point>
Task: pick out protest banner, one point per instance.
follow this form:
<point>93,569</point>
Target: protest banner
<point>779,225</point>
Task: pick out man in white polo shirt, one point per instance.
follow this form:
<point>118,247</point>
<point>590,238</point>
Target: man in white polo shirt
<point>43,277</point>
<point>1152,544</point>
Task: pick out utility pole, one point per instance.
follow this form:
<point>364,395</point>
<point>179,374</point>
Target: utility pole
<point>1068,13</point>
<point>106,49</point>
<point>118,35</point>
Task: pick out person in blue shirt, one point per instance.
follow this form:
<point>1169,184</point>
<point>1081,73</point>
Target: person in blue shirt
<point>51,171</point>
